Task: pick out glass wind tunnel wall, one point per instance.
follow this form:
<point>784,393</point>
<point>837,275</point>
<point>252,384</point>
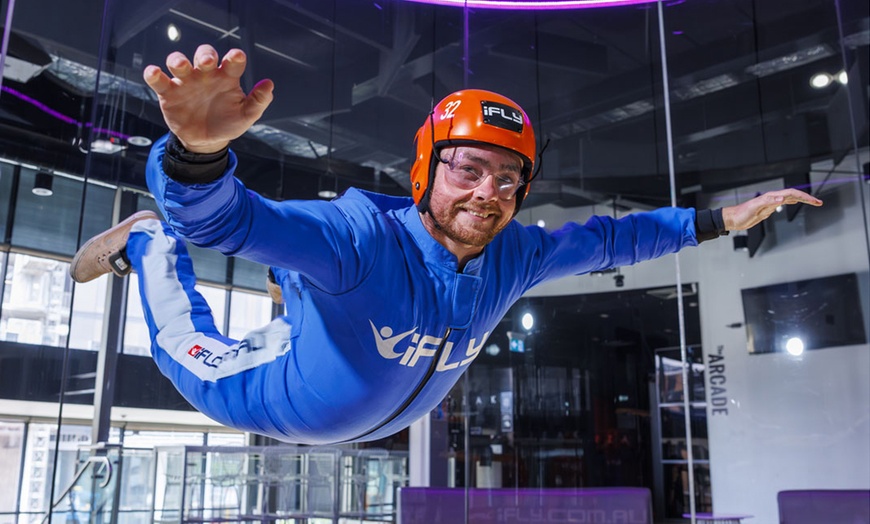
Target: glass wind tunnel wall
<point>691,103</point>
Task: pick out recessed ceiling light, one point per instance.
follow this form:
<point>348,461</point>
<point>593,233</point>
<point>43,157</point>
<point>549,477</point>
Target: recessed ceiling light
<point>820,80</point>
<point>173,32</point>
<point>843,77</point>
<point>528,321</point>
<point>327,193</point>
<point>795,346</point>
<point>140,141</point>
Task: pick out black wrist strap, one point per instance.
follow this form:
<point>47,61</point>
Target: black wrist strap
<point>709,224</point>
<point>187,167</point>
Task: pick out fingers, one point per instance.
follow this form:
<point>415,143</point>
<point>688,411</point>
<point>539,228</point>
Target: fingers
<point>234,63</point>
<point>259,98</point>
<point>206,58</point>
<point>156,79</point>
<point>178,65</point>
<point>792,196</point>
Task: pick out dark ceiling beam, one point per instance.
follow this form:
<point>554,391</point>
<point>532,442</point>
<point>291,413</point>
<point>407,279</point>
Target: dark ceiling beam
<point>404,40</point>
<point>133,17</point>
<point>404,89</point>
<point>292,6</point>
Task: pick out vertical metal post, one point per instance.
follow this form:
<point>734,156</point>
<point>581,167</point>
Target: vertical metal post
<point>107,358</point>
<point>687,405</point>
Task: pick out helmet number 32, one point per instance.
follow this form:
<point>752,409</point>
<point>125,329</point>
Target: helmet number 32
<point>450,109</point>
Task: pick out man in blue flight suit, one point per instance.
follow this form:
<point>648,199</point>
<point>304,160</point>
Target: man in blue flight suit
<point>388,300</point>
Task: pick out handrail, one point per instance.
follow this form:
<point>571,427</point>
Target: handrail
<point>94,459</point>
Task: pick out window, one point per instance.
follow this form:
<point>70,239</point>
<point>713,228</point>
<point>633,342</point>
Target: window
<point>6,173</point>
<point>248,311</point>
<point>36,299</point>
<point>89,304</point>
<point>217,301</point>
<point>51,223</point>
<point>137,339</point>
<point>38,469</point>
<point>11,446</point>
<point>153,439</point>
<point>249,274</point>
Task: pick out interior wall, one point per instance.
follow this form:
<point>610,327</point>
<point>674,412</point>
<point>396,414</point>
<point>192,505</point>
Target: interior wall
<point>792,422</point>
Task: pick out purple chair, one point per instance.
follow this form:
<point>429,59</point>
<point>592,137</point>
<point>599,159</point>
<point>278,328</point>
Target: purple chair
<point>523,505</point>
<point>827,506</point>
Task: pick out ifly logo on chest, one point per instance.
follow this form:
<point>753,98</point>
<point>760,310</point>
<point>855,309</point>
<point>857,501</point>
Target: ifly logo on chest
<point>421,346</point>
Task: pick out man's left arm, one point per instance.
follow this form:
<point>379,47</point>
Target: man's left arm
<point>604,242</point>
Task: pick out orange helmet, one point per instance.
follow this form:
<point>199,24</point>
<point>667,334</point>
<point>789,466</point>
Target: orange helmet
<point>471,116</point>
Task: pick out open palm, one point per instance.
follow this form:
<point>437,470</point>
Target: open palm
<point>203,102</point>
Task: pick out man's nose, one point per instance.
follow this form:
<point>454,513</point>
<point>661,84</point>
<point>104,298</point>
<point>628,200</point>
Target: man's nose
<point>488,188</point>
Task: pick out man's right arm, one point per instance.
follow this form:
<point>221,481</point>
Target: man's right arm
<point>205,204</point>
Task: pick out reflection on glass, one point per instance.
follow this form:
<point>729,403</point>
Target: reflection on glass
<point>135,485</point>
<point>669,369</point>
<point>808,314</point>
<point>673,432</point>
<point>676,490</point>
<point>39,455</point>
<point>36,299</point>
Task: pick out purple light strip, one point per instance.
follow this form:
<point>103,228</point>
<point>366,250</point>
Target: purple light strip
<point>533,4</point>
<point>60,116</point>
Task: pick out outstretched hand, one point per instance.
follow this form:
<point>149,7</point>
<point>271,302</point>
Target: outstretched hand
<point>203,103</point>
<point>749,213</point>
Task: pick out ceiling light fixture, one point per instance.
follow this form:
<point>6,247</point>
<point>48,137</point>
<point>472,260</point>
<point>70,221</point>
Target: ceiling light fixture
<point>534,4</point>
<point>528,321</point>
<point>42,184</point>
<point>139,141</point>
<point>843,77</point>
<point>108,146</point>
<point>173,32</point>
<point>821,80</point>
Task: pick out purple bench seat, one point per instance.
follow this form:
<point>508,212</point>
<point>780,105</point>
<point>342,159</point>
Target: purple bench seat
<point>524,505</point>
<point>828,506</point>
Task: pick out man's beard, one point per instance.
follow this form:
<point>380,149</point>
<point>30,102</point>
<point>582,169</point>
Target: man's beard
<point>445,220</point>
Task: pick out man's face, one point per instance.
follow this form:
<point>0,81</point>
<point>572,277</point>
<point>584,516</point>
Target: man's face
<point>470,218</point>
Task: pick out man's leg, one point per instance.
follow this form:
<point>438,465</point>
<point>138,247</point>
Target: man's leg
<point>218,375</point>
<point>237,383</point>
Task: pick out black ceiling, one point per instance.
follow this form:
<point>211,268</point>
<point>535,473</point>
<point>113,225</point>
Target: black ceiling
<point>358,77</point>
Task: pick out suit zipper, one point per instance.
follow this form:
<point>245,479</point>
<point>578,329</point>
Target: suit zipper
<point>413,396</point>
